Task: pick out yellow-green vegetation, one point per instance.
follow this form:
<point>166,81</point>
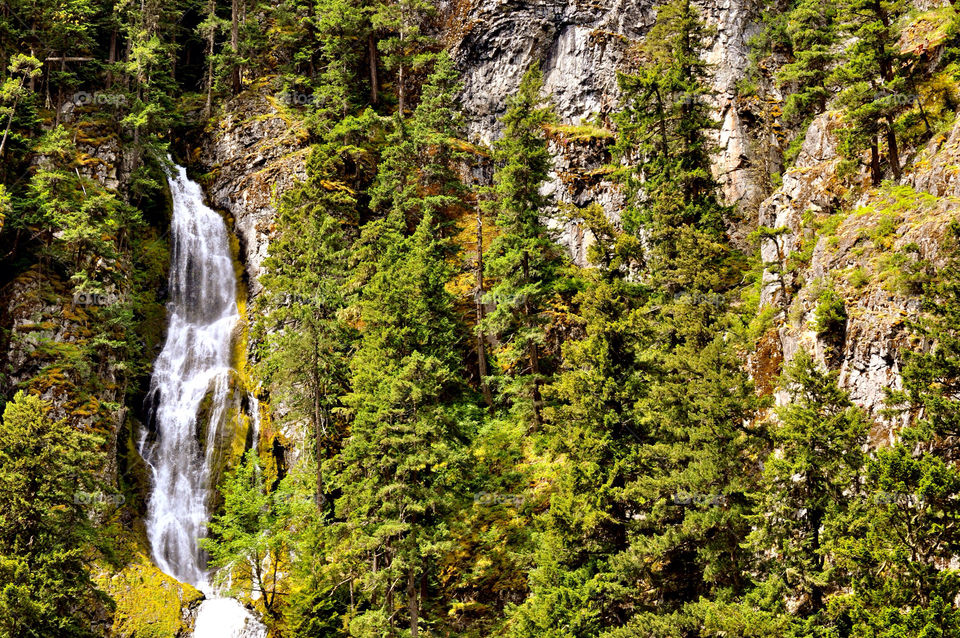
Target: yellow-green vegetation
<point>149,604</point>
<point>928,30</point>
<point>579,133</point>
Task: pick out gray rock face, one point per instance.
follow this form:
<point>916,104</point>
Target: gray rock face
<point>810,185</point>
<point>253,157</point>
<point>856,259</point>
<point>580,48</point>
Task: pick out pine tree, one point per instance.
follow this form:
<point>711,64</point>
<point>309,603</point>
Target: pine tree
<point>684,499</point>
<point>248,540</point>
<point>812,29</point>
<point>808,478</point>
<point>524,262</point>
<point>931,379</point>
<point>418,172</point>
<point>404,441</point>
<point>45,588</point>
<point>896,549</point>
<point>304,341</point>
<point>593,428</point>
<point>404,43</point>
<point>665,147</point>
<point>873,79</point>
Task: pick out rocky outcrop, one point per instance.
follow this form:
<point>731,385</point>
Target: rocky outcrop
<point>873,253</point>
<point>255,154</point>
<point>580,47</point>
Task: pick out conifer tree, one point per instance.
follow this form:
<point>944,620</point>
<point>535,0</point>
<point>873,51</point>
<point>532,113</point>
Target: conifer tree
<point>248,540</point>
<point>418,172</point>
<point>894,552</point>
<point>404,43</point>
<point>808,482</point>
<point>304,341</point>
<point>593,427</point>
<point>873,80</point>
<point>664,144</point>
<point>404,442</point>
<point>45,588</point>
<point>685,496</point>
<point>812,29</point>
<point>523,261</point>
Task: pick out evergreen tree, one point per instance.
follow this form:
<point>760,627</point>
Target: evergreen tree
<point>811,27</point>
<point>804,498</point>
<point>931,379</point>
<point>896,549</point>
<point>404,43</point>
<point>394,468</point>
<point>523,261</point>
<point>665,147</point>
<point>304,339</point>
<point>593,429</point>
<point>418,172</point>
<point>45,589</point>
<point>873,79</point>
<point>248,539</point>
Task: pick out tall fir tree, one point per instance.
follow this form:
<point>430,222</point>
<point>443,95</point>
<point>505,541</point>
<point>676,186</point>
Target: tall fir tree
<point>45,470</point>
<point>873,78</point>
<point>524,262</point>
<point>809,480</point>
<point>394,468</point>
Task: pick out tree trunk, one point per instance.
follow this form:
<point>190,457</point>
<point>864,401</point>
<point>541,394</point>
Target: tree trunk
<point>892,150</point>
<point>235,43</point>
<point>400,91</point>
<point>6,131</point>
<point>374,84</point>
<point>413,605</point>
<point>111,57</point>
<point>876,175</point>
<point>481,351</point>
<point>211,37</point>
<point>533,351</point>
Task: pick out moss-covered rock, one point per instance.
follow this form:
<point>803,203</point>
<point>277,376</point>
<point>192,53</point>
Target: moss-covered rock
<point>149,604</point>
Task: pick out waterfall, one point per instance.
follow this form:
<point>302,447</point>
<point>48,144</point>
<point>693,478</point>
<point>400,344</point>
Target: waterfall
<point>192,375</point>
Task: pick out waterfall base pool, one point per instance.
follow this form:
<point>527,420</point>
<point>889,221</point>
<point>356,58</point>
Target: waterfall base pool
<point>227,618</point>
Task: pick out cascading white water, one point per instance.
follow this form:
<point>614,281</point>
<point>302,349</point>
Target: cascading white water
<point>193,365</point>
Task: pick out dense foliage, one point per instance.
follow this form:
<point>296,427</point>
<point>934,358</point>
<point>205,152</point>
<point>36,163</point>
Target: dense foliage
<point>496,442</point>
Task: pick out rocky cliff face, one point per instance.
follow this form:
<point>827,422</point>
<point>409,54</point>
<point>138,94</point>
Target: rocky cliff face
<point>252,157</point>
<point>872,252</point>
<point>256,154</point>
<point>580,47</point>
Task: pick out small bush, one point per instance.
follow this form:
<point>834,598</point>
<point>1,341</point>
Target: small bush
<point>831,312</point>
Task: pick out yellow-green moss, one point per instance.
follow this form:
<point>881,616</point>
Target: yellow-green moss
<point>149,604</point>
<point>579,133</point>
